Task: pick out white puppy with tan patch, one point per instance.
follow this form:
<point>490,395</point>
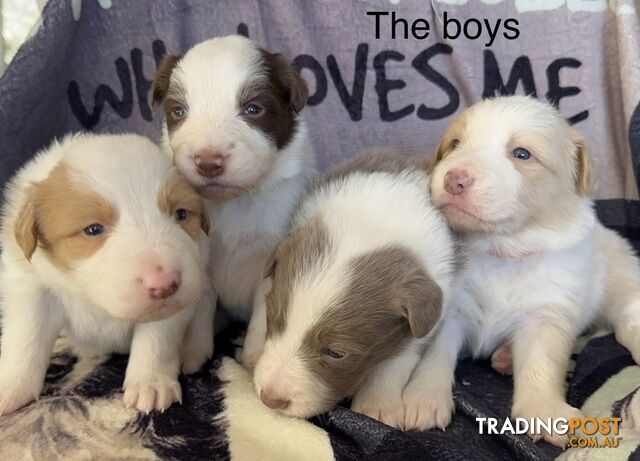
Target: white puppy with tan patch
<point>233,128</point>
<point>353,292</point>
<point>514,180</point>
<point>103,238</point>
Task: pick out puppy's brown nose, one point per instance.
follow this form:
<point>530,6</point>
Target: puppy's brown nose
<point>457,181</point>
<point>210,164</point>
<point>272,402</point>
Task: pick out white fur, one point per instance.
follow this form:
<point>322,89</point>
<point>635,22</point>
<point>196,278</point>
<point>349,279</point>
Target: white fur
<point>245,228</point>
<point>250,424</point>
<point>98,301</point>
<point>540,267</point>
<point>366,213</point>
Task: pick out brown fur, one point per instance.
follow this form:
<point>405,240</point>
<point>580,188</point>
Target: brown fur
<point>378,161</point>
<point>25,230</point>
<point>286,79</point>
<point>585,174</point>
<point>162,79</point>
<point>281,96</point>
<point>389,299</point>
<point>176,193</point>
<point>169,105</point>
<point>297,255</point>
<point>55,216</point>
<point>448,142</point>
<point>161,91</point>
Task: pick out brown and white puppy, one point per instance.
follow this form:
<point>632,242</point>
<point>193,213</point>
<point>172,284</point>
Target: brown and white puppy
<point>233,128</point>
<point>100,236</point>
<point>353,292</point>
<point>514,180</point>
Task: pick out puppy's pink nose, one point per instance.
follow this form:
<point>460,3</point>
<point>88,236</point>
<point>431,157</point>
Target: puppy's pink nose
<point>273,402</point>
<point>161,284</point>
<point>210,164</point>
<point>457,181</point>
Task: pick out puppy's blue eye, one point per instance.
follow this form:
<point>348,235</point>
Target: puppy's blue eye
<point>252,109</point>
<point>94,229</point>
<point>181,214</point>
<point>179,112</point>
<point>333,353</point>
<point>521,154</point>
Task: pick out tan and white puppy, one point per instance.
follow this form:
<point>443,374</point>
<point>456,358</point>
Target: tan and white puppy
<point>514,180</point>
<point>233,128</point>
<point>353,292</point>
<point>100,236</point>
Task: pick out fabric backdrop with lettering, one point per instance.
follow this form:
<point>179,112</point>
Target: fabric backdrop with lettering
<point>377,77</point>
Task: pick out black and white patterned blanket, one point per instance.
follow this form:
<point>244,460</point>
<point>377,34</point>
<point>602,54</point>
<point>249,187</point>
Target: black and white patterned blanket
<point>81,416</point>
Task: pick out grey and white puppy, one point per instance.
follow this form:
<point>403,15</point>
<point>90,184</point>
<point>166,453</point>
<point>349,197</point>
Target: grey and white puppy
<point>353,292</point>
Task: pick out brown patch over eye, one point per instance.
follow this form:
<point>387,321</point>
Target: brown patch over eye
<point>300,253</point>
<point>177,199</point>
<point>62,210</point>
<point>389,299</point>
<point>162,79</point>
<point>175,113</point>
<point>277,98</point>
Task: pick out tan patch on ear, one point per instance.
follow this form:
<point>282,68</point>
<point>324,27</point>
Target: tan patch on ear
<point>176,193</point>
<point>585,175</point>
<point>25,229</point>
<point>439,152</point>
<point>455,130</point>
<point>270,266</point>
<point>162,79</point>
<point>62,210</point>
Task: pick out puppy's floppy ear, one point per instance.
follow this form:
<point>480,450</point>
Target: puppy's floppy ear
<point>454,131</point>
<point>420,298</point>
<point>584,173</point>
<point>25,228</point>
<point>440,150</point>
<point>161,80</point>
<point>289,78</point>
<point>270,267</point>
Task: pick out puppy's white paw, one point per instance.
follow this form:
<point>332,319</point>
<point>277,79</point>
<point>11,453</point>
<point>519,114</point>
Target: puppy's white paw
<point>629,336</point>
<point>16,393</point>
<point>426,408</point>
<point>385,407</point>
<point>194,357</point>
<point>12,399</point>
<point>536,408</point>
<point>155,393</point>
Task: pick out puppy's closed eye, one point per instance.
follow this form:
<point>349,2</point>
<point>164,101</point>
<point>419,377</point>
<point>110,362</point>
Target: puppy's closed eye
<point>333,353</point>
